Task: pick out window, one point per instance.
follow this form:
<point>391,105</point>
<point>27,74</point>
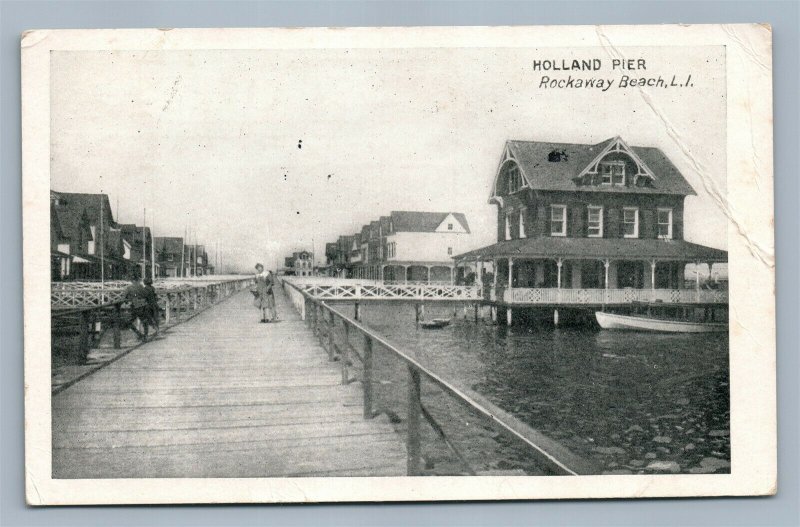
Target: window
<point>630,222</point>
<point>558,220</point>
<point>613,172</point>
<point>449,251</point>
<point>522,223</point>
<point>595,222</point>
<point>514,179</point>
<point>508,227</point>
<point>664,223</point>
<point>449,226</point>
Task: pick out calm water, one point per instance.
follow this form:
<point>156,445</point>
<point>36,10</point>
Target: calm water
<point>625,400</point>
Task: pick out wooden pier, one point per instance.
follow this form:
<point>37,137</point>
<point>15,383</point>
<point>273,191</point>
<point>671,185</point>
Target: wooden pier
<point>222,396</point>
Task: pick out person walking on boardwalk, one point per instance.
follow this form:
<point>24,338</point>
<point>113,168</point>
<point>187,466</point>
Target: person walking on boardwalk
<point>136,295</point>
<point>263,292</point>
<point>152,304</point>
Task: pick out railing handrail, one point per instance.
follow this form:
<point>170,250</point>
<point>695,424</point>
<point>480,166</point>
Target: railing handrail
<point>456,392</point>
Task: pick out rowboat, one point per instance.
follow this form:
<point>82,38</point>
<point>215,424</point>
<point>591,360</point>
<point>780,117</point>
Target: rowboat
<point>436,323</point>
<point>641,323</point>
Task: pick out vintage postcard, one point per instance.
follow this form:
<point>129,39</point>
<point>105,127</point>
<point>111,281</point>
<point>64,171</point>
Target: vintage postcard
<point>393,264</point>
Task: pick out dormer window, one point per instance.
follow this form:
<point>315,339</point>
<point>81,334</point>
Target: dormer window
<point>612,172</point>
<point>514,178</point>
<point>449,226</point>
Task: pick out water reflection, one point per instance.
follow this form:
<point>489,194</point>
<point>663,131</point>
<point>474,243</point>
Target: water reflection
<point>632,402</point>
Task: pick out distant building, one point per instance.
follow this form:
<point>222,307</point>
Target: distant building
<point>406,246</point>
<point>301,263</point>
<point>140,241</point>
<point>169,251</point>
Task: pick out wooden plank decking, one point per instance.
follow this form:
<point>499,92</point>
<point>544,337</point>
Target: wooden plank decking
<point>222,396</point>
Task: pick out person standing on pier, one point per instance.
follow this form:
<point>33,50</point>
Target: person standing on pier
<point>271,297</point>
<point>264,300</point>
<point>136,295</point>
<point>152,304</point>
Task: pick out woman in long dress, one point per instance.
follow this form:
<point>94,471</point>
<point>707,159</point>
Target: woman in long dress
<point>263,293</point>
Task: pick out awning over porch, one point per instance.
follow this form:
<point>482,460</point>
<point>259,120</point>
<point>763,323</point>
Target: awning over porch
<point>601,248</point>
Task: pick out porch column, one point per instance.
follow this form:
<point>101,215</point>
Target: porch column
<point>479,273</point>
<point>653,275</point>
<point>606,264</point>
<point>494,274</point>
<point>428,279</point>
<point>697,279</point>
<point>405,274</point>
<point>559,264</point>
<point>510,272</point>
<point>452,275</point>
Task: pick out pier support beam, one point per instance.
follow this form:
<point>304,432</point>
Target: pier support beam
<point>357,313</point>
<point>555,317</point>
<point>476,312</point>
<point>508,316</point>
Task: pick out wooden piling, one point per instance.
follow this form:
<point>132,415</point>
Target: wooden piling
<point>413,447</point>
<point>117,326</point>
<point>367,380</point>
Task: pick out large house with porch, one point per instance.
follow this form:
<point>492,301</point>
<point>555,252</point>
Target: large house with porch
<point>589,224</point>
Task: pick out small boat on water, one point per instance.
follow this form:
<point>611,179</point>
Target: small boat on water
<point>644,323</point>
<point>436,323</point>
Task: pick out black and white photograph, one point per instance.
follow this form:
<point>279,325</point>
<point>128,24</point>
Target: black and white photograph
<point>487,263</point>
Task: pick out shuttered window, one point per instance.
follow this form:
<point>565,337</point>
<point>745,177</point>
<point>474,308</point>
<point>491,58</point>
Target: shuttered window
<point>558,220</point>
<point>595,222</point>
<point>665,223</point>
<point>630,222</point>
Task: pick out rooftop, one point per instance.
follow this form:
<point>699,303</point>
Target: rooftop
<point>592,248</point>
<point>416,221</point>
<point>557,166</point>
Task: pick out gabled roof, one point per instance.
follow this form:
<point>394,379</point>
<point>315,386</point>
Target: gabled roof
<point>133,233</point>
<point>613,248</point>
<point>414,221</point>
<point>72,206</point>
<point>168,244</point>
<point>543,170</point>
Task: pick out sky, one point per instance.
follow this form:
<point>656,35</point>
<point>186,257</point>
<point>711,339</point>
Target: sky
<point>263,152</point>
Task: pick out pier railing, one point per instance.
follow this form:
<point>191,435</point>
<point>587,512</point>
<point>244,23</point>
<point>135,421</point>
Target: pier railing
<point>339,289</point>
<point>70,295</point>
<point>518,295</point>
<point>88,314</point>
<point>336,332</point>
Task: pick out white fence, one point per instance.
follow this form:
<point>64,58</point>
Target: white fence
<point>613,296</point>
<point>65,295</point>
<point>342,289</point>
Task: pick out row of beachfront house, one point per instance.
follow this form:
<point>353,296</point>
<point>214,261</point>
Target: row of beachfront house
<point>402,247</point>
<point>88,243</point>
<point>606,216</point>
